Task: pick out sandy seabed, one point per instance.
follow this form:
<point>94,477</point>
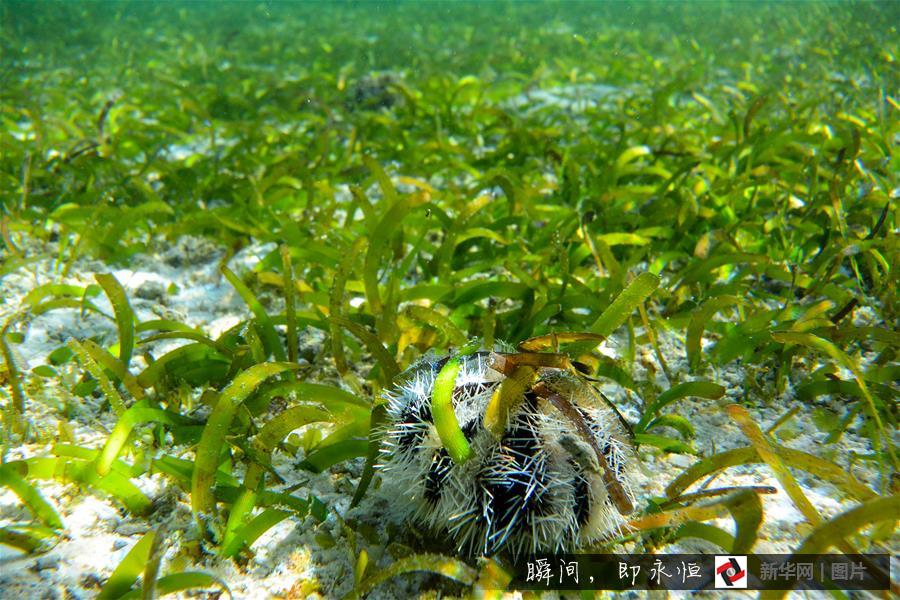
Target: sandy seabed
<point>305,558</point>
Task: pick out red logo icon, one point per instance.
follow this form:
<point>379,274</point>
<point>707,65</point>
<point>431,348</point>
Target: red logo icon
<point>731,572</point>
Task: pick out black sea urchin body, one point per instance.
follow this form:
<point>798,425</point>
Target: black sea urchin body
<point>537,487</point>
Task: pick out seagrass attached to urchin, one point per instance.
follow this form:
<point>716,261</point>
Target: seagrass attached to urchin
<point>556,473</point>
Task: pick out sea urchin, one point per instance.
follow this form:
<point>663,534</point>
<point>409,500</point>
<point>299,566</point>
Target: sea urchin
<point>544,465</point>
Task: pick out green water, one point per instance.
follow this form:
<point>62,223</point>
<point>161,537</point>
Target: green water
<point>502,37</point>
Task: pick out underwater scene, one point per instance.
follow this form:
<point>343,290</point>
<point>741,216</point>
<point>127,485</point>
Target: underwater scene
<point>388,299</point>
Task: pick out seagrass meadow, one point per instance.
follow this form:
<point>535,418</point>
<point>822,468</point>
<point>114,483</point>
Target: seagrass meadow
<point>227,228</point>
